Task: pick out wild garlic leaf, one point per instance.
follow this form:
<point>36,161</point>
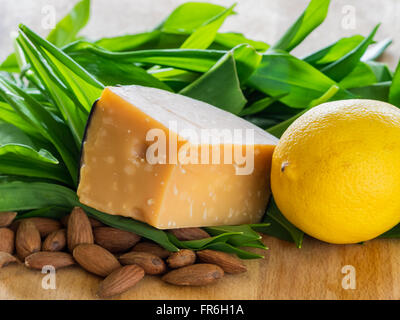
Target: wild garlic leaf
<point>8,115</point>
<point>219,86</point>
<point>130,42</point>
<point>47,212</point>
<point>189,16</point>
<point>80,82</point>
<point>278,129</point>
<point>111,72</point>
<point>376,50</point>
<point>229,40</point>
<point>312,17</point>
<point>68,28</point>
<point>20,195</point>
<point>260,105</point>
<point>377,91</point>
<point>20,157</point>
<point>205,35</point>
<point>71,88</point>
<point>297,81</point>
<point>186,59</point>
<point>334,51</point>
<point>10,64</point>
<point>394,92</point>
<point>248,236</point>
<point>381,71</point>
<point>341,68</point>
<point>273,214</point>
<point>51,128</point>
<point>362,75</point>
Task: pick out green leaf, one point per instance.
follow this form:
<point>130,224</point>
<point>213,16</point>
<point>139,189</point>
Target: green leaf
<point>204,36</point>
<point>68,28</point>
<point>278,129</point>
<point>51,128</point>
<point>361,76</point>
<point>220,86</point>
<point>218,242</point>
<point>72,88</point>
<point>10,64</point>
<point>260,105</point>
<point>273,214</point>
<point>297,81</point>
<point>311,18</point>
<point>112,72</point>
<point>377,91</point>
<point>189,16</point>
<point>230,40</point>
<point>394,92</point>
<point>48,212</point>
<point>393,233</point>
<point>130,42</point>
<point>8,114</point>
<point>339,69</point>
<point>247,237</point>
<point>334,51</point>
<point>376,50</point>
<point>17,195</point>
<point>381,71</point>
<point>19,156</point>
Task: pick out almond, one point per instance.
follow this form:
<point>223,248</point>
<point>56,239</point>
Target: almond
<point>184,234</point>
<point>115,240</point>
<point>194,275</point>
<point>93,222</point>
<point>95,259</point>
<point>152,248</point>
<point>227,262</point>
<point>55,241</point>
<point>64,220</point>
<point>182,258</point>
<point>44,225</point>
<point>96,223</point>
<point>6,259</point>
<point>56,259</point>
<point>150,263</point>
<point>120,281</point>
<point>27,240</point>
<point>79,229</point>
<point>6,240</point>
<point>6,218</point>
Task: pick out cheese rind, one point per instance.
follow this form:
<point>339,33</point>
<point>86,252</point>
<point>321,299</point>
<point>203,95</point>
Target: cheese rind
<point>117,177</point>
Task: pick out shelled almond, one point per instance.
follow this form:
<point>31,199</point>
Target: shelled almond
<point>115,240</point>
<point>6,218</point>
<point>6,240</point>
<point>55,241</point>
<point>121,257</point>
<point>150,263</point>
<point>27,240</point>
<point>79,229</point>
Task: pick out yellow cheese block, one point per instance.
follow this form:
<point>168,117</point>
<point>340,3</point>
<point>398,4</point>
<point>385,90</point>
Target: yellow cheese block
<point>191,181</point>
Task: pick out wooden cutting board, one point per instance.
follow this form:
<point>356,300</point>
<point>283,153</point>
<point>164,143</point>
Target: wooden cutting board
<point>313,272</point>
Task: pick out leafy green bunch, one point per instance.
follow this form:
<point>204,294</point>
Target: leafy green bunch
<point>48,86</point>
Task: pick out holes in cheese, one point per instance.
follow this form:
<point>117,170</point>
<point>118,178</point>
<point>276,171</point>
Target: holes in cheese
<point>172,161</point>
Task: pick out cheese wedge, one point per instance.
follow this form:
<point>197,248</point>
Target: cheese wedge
<point>172,161</point>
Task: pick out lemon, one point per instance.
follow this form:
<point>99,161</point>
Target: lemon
<point>336,171</point>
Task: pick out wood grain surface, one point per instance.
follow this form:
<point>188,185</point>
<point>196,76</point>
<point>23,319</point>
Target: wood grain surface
<point>312,272</point>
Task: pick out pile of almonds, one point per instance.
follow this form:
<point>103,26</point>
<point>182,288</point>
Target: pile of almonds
<point>120,257</point>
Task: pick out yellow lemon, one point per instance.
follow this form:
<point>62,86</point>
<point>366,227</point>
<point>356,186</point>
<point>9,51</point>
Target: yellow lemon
<point>336,171</point>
